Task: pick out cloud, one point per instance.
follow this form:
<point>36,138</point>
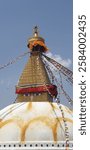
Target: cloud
<point>59,59</point>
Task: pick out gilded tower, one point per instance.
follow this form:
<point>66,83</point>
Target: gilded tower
<point>34,83</point>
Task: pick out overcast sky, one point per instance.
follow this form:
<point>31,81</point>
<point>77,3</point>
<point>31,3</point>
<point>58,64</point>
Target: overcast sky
<point>17,18</point>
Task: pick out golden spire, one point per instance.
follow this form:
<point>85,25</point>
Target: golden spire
<point>34,83</point>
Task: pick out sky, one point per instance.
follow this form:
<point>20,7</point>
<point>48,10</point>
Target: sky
<point>17,19</point>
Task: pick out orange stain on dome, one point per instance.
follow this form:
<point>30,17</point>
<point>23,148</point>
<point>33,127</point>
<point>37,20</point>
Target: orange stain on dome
<point>47,121</point>
<point>52,123</point>
<point>29,106</point>
<point>43,119</point>
<point>23,131</point>
<point>3,123</point>
<point>54,128</point>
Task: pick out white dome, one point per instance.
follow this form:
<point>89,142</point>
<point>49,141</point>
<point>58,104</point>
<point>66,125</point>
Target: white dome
<point>34,121</point>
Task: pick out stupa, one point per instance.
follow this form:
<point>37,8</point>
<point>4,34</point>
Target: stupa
<point>34,117</point>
